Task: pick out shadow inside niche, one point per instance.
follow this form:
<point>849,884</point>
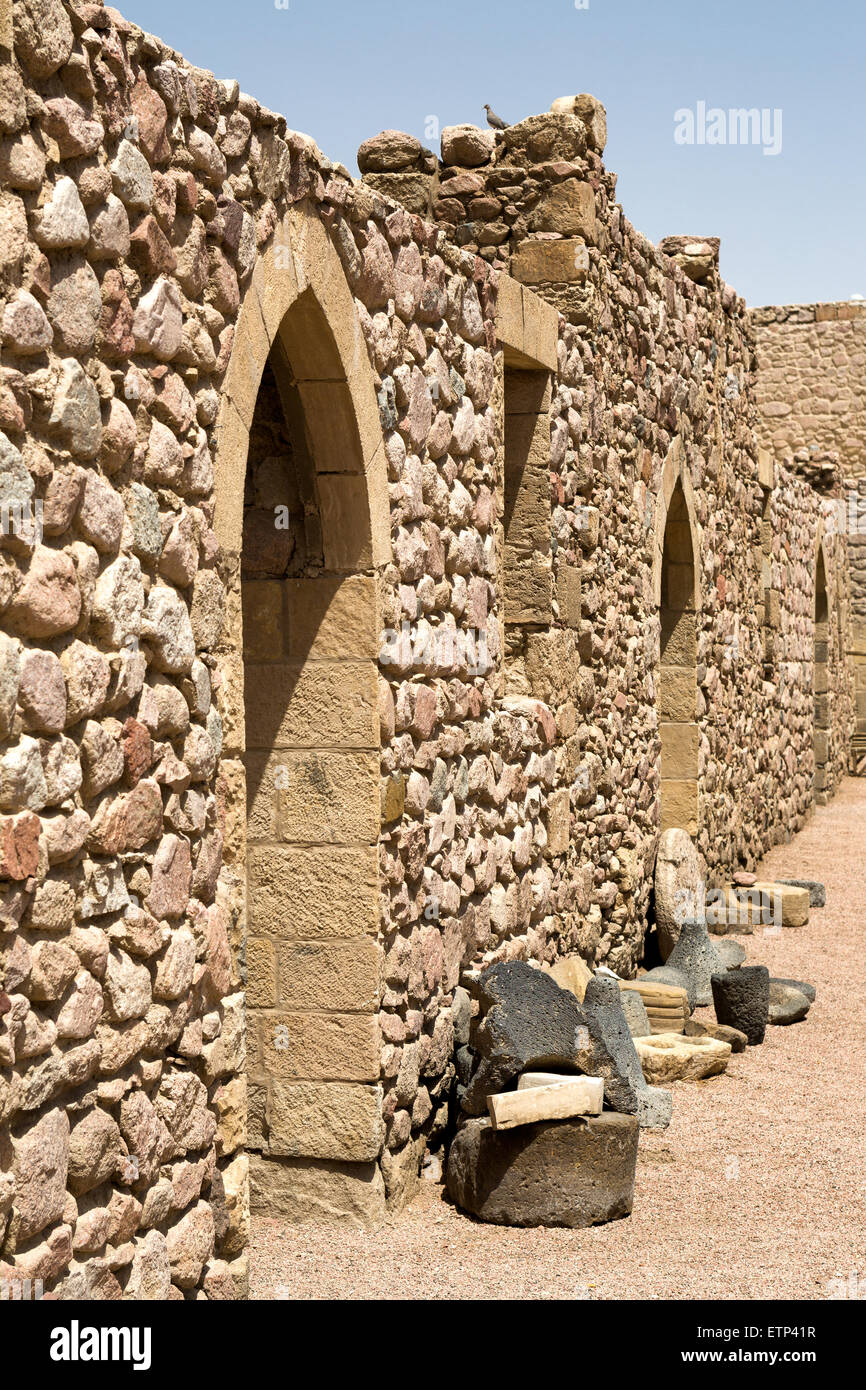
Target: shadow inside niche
<point>652,955</point>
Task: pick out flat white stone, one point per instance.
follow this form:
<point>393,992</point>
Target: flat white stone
<point>560,1100</point>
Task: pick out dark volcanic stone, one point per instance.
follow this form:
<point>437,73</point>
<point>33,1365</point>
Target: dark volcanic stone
<point>613,1053</point>
<point>635,1013</point>
<point>559,1173</point>
<point>817,891</point>
<point>526,1022</point>
<point>742,1000</point>
<point>729,952</point>
<point>696,956</point>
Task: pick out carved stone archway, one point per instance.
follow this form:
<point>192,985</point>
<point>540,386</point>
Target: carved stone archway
<point>302,740</point>
<point>821,669</point>
<point>677,594</point>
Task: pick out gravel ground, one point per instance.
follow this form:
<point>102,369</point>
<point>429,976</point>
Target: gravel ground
<point>755,1191</point>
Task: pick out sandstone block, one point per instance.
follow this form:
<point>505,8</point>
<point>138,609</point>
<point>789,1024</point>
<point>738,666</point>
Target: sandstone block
<point>571,973</point>
<point>339,975</point>
<point>301,1190</point>
<point>296,882</point>
<point>667,1057</point>
<point>568,208</point>
<point>550,262</point>
<point>312,1046</point>
<point>467,145</point>
<point>330,1120</point>
<point>550,1100</point>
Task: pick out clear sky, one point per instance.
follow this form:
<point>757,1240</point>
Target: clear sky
<point>791,223</point>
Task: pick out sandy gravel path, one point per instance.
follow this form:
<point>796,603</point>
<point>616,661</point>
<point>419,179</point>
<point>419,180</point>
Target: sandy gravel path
<point>757,1190</point>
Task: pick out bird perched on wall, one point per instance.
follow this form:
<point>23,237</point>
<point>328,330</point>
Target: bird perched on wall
<point>493,120</point>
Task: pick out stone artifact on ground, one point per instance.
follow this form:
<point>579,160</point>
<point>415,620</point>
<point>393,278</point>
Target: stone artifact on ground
<point>667,1057</point>
<point>574,1173</point>
<point>666,1006</point>
<point>795,901</point>
<point>817,891</point>
<point>730,953</point>
<point>764,905</point>
<point>636,1015</point>
<point>298,475</point>
<point>697,958</point>
<point>679,886</point>
<point>742,1000</point>
<point>613,1056</point>
<point>557,1100</point>
<point>802,985</point>
<point>788,1004</point>
<point>671,978</point>
<point>525,1021</point>
<point>709,1028</point>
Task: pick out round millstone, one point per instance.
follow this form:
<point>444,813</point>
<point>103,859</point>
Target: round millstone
<point>560,1173</point>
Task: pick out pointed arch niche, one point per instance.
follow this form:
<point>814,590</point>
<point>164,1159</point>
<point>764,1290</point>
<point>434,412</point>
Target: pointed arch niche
<point>677,596</point>
<point>302,518</point>
<point>821,685</point>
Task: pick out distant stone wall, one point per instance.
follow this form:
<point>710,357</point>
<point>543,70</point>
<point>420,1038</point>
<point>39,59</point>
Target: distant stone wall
<point>811,384</point>
<point>268,792</point>
<point>811,394</point>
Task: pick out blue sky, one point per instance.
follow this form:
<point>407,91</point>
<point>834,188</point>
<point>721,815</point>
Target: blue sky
<point>791,224</point>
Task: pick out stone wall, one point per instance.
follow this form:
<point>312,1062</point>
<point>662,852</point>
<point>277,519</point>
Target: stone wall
<point>811,388</point>
<point>811,393</point>
<point>331,659</point>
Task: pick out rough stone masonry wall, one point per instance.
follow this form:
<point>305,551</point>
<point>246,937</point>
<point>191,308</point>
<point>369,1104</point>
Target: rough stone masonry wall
<point>122,1099</point>
<point>649,361</point>
<point>811,385</point>
<point>519,807</point>
<point>660,351</point>
<point>811,394</point>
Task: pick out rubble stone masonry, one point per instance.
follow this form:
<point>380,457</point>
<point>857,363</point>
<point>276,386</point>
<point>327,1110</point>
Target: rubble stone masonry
<point>383,564</point>
<point>811,392</point>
